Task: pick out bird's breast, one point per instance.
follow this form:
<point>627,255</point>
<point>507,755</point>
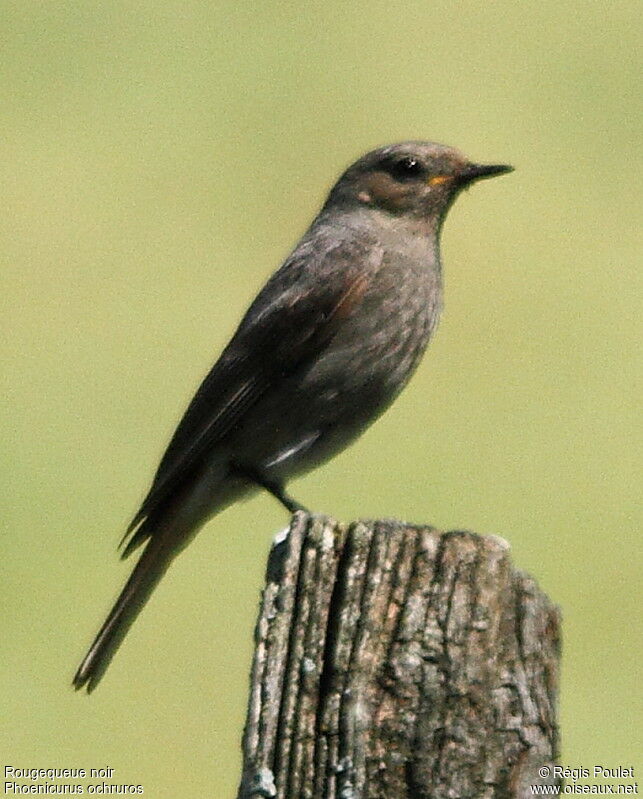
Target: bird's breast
<point>377,348</point>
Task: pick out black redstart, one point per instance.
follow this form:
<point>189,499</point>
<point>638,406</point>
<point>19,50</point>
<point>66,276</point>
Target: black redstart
<point>329,342</point>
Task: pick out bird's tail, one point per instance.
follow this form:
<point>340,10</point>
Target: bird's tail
<point>151,566</point>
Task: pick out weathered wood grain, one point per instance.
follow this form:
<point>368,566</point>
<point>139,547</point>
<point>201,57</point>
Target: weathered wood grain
<point>394,661</point>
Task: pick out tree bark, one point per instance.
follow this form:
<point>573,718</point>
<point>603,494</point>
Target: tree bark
<point>399,662</point>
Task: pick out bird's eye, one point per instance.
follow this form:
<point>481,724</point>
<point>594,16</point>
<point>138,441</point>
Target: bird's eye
<point>407,168</point>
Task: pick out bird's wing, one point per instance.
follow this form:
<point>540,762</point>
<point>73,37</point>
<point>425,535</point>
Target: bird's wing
<point>289,324</point>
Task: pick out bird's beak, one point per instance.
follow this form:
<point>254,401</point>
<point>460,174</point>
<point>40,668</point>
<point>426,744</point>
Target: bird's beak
<point>478,171</point>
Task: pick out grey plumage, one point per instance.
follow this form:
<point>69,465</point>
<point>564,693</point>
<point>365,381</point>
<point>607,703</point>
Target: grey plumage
<point>326,346</point>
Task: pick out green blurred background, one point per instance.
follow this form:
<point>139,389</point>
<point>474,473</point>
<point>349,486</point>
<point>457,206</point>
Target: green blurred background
<point>158,160</point>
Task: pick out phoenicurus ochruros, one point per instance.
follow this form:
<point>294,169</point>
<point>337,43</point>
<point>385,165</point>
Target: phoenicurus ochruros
<point>329,342</point>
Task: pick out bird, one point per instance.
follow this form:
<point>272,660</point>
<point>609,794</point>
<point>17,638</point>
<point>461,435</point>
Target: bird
<point>325,347</point>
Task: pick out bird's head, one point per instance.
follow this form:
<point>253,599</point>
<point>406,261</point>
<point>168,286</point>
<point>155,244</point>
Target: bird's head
<point>416,179</point>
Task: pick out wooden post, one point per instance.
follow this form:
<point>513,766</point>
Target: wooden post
<point>399,662</point>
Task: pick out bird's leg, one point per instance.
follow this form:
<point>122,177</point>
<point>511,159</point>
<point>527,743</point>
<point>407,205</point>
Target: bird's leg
<point>272,486</point>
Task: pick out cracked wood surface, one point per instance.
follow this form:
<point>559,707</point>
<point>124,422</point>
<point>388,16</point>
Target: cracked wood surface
<point>396,661</point>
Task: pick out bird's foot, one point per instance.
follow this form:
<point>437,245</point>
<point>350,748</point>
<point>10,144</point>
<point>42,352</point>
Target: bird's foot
<point>272,486</point>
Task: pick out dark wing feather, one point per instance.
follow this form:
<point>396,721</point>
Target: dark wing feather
<point>289,323</point>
